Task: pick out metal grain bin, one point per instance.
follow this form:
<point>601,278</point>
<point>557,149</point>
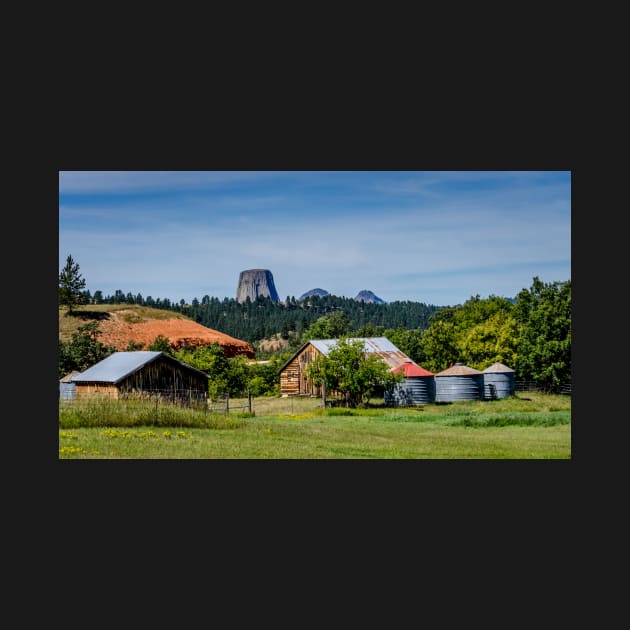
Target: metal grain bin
<point>67,389</point>
<point>498,381</point>
<point>458,382</point>
<point>417,388</point>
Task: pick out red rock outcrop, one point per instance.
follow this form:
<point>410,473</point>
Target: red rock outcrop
<point>116,332</point>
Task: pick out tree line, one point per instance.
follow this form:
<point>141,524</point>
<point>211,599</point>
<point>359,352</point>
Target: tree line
<point>261,318</point>
<point>531,334</point>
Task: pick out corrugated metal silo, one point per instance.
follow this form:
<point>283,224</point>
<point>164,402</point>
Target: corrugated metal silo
<point>417,388</point>
<point>498,381</point>
<point>458,382</point>
<point>67,389</point>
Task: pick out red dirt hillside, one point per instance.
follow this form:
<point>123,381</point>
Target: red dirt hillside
<point>118,331</point>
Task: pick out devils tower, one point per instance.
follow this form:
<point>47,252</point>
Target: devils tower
<point>255,282</point>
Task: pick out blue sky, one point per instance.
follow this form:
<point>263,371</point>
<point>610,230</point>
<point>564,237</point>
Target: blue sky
<point>437,237</point>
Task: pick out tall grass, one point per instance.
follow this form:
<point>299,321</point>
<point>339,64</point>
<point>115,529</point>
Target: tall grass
<point>137,413</point>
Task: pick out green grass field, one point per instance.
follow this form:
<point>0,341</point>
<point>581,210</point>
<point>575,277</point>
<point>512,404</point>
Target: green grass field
<point>527,426</point>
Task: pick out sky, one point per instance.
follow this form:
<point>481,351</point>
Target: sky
<point>437,237</point>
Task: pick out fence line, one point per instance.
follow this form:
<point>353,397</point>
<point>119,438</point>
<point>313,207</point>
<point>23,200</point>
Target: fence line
<point>182,397</point>
<point>225,404</point>
<point>535,386</point>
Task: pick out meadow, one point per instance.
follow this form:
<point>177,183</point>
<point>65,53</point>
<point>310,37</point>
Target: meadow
<point>526,426</point>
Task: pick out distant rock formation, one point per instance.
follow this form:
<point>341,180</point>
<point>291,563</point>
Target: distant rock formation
<point>368,296</point>
<point>312,292</point>
<point>255,282</point>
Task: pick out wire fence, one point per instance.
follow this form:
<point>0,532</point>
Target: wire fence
<point>181,397</point>
<point>245,404</point>
<point>535,386</point>
<point>226,404</point>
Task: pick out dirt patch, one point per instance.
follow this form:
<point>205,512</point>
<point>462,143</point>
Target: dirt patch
<point>273,344</point>
<point>142,324</point>
<point>118,331</point>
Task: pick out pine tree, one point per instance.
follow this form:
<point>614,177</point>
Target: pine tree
<point>71,285</point>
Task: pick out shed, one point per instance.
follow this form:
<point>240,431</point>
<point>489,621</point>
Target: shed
<point>417,388</point>
<point>142,373</point>
<point>295,382</point>
<point>458,382</point>
<point>67,389</point>
<point>498,381</point>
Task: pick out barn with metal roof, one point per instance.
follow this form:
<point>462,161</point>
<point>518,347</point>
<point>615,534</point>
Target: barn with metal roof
<point>125,374</point>
<point>294,380</point>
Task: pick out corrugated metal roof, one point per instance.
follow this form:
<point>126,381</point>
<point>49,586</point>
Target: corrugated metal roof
<point>116,366</point>
<point>68,377</point>
<point>119,365</point>
<point>497,367</point>
<point>370,344</point>
<point>377,345</point>
<point>409,368</point>
<point>458,370</point>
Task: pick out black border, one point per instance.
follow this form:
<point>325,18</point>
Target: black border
<point>335,138</point>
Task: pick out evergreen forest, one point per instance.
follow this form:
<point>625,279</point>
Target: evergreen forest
<point>263,318</point>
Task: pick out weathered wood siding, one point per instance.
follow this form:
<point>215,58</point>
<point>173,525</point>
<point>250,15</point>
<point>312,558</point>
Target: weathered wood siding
<point>160,376</point>
<point>293,378</point>
<point>163,375</point>
<point>102,390</point>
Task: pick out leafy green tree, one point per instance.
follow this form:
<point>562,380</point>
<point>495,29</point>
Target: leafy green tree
<point>264,378</point>
<point>329,326</point>
<point>71,285</point>
<point>84,349</point>
<point>439,343</point>
<point>544,347</point>
<point>489,341</point>
<point>161,344</point>
<point>349,370</point>
<point>132,346</point>
<point>478,333</point>
<point>237,376</point>
<point>369,330</point>
<point>477,310</point>
<point>211,360</point>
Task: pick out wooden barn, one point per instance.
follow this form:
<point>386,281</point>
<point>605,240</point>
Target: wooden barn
<point>128,374</point>
<point>294,380</point>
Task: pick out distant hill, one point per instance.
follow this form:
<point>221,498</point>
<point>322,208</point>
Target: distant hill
<point>312,292</point>
<point>368,296</point>
<point>121,323</point>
